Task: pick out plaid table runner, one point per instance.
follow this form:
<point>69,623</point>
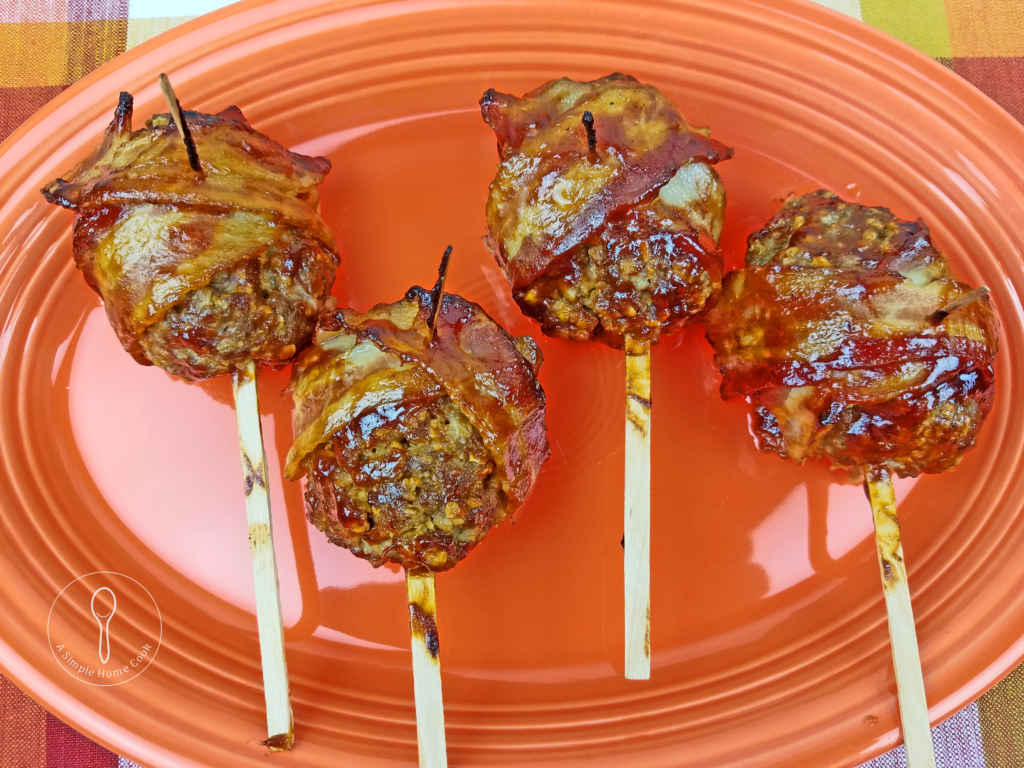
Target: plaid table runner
<point>46,45</point>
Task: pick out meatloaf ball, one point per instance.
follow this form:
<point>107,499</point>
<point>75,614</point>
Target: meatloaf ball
<point>606,211</point>
<point>852,341</point>
<point>201,273</point>
<point>416,439</point>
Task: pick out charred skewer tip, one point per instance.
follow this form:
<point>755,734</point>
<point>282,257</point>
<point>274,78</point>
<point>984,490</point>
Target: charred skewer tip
<point>636,539</point>
<point>179,121</point>
<point>588,123</point>
<point>967,299</point>
<point>123,113</point>
<point>438,290</point>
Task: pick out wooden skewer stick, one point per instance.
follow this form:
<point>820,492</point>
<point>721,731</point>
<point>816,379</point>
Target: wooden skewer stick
<point>426,670</point>
<point>637,535</point>
<point>905,655</point>
<point>179,120</point>
<point>280,726</point>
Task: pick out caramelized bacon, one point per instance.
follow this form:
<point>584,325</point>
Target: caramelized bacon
<point>150,232</point>
<point>605,211</point>
<point>834,331</point>
<point>415,443</point>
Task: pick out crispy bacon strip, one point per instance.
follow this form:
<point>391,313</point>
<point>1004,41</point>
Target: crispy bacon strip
<point>834,332</point>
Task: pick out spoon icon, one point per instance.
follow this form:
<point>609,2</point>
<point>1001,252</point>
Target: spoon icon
<point>103,619</point>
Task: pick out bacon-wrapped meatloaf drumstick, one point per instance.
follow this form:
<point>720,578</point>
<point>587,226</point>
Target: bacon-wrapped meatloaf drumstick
<point>201,273</point>
<point>204,239</point>
<point>419,426</point>
<point>853,342</point>
<point>605,216</point>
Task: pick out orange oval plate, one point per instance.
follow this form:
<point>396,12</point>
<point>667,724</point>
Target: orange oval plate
<point>768,628</point>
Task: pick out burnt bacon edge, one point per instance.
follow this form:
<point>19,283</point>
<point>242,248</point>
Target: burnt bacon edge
<point>66,194</point>
<point>123,113</point>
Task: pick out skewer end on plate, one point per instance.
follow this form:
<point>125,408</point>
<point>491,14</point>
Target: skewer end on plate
<point>281,742</point>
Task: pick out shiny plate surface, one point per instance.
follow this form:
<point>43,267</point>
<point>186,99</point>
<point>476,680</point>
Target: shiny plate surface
<point>768,627</point>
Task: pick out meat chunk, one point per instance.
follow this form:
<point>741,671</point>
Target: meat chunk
<point>201,273</point>
<point>606,234</point>
<point>416,441</point>
<point>836,333</point>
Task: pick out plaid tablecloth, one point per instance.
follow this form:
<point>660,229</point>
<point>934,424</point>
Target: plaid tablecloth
<point>46,45</point>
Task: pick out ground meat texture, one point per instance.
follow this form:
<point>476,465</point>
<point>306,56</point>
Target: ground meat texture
<point>264,309</point>
<point>639,276</point>
<point>820,230</point>
<point>412,484</point>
